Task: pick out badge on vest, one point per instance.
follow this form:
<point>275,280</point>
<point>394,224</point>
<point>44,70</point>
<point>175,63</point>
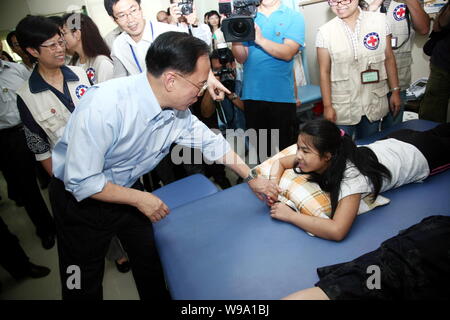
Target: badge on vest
<point>400,12</point>
<point>91,74</point>
<point>394,42</point>
<point>370,76</point>
<point>81,90</point>
<point>372,41</point>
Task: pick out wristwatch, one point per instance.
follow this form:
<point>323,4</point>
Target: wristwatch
<point>251,175</point>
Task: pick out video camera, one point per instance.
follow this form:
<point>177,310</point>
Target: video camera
<point>239,24</point>
<point>227,75</point>
<point>186,7</point>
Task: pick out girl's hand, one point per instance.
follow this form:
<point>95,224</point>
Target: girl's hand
<point>263,187</point>
<point>282,212</point>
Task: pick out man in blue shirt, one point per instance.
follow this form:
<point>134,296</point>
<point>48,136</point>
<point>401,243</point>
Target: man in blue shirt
<point>121,129</point>
<point>268,85</point>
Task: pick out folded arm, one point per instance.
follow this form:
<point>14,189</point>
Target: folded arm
<point>335,229</point>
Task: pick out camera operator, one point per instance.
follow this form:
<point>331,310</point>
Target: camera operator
<point>224,68</point>
<point>223,115</point>
<point>188,21</point>
<point>268,90</point>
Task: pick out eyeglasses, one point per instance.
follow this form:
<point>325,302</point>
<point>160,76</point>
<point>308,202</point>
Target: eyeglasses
<point>334,3</point>
<point>200,89</point>
<point>133,12</point>
<point>53,46</point>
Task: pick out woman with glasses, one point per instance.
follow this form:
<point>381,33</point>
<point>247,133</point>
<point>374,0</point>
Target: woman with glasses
<point>90,50</point>
<point>357,68</point>
<point>48,98</point>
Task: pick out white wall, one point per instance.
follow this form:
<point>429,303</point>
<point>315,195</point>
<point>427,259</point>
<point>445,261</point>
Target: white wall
<point>11,12</point>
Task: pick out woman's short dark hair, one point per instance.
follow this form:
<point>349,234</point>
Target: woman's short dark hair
<point>176,50</point>
<point>92,41</point>
<point>32,31</point>
<point>110,3</point>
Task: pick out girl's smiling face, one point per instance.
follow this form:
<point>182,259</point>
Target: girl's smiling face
<point>308,157</point>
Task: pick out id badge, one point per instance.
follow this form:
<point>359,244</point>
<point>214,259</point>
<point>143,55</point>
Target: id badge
<point>370,76</point>
<point>394,42</point>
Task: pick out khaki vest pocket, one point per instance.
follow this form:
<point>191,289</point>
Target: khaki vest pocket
<point>51,121</point>
<point>378,107</point>
<point>341,104</point>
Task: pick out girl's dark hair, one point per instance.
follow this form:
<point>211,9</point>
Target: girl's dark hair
<point>177,50</point>
<point>326,137</point>
<point>32,31</point>
<point>210,14</point>
<point>92,41</point>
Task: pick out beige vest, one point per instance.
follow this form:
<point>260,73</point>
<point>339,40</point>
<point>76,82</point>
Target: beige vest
<point>349,97</point>
<point>48,111</point>
<point>396,18</point>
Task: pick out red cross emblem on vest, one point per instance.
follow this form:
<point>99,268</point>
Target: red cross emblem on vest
<point>400,12</point>
<point>81,90</point>
<point>91,74</point>
<point>371,41</point>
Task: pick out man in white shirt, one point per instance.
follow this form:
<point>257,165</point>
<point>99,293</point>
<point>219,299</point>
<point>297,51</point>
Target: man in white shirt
<point>129,49</point>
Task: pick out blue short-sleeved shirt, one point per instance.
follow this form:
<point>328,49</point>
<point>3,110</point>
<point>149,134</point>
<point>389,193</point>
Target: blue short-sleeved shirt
<point>267,78</point>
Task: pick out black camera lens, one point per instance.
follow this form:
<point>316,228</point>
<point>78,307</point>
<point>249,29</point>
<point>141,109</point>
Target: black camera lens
<point>239,28</point>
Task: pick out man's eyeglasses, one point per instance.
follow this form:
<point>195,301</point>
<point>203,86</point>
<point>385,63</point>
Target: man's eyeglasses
<point>133,12</point>
<point>334,3</point>
<point>200,89</point>
<point>54,45</point>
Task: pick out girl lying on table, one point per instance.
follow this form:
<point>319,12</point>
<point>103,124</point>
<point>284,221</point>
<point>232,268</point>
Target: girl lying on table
<point>349,173</point>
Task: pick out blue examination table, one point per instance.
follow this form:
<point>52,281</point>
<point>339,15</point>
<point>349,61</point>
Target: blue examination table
<point>225,245</point>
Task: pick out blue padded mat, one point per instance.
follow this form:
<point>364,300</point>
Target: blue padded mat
<point>185,190</point>
<point>226,246</point>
